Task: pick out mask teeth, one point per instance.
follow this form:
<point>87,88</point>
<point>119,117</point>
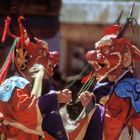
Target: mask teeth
<point>92,63</point>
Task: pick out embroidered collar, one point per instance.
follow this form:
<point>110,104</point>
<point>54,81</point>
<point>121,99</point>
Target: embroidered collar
<point>7,87</point>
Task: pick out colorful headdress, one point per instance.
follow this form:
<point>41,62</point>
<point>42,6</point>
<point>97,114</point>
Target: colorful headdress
<point>30,50</point>
<point>27,52</point>
<point>113,53</point>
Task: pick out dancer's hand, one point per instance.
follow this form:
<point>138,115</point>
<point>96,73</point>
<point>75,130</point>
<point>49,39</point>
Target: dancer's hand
<point>64,96</point>
<point>85,98</point>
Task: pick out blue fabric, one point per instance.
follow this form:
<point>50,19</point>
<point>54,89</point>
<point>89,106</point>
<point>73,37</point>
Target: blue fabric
<point>100,85</point>
<point>7,87</point>
<point>130,87</point>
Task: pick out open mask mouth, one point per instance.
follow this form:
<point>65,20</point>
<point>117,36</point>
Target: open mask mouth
<point>100,65</point>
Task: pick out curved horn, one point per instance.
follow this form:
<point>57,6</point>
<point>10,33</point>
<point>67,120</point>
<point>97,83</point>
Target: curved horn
<point>22,20</point>
<point>30,35</point>
<point>119,18</point>
<point>6,29</point>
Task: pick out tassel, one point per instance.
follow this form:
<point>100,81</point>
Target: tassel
<point>5,68</point>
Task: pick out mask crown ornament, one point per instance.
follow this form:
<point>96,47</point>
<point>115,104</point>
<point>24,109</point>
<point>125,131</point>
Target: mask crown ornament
<point>29,50</point>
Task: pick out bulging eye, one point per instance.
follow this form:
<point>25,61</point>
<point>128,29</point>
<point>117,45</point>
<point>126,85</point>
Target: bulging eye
<point>98,56</point>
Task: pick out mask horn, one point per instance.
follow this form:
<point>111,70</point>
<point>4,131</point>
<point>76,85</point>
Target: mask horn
<point>129,20</point>
<point>6,29</point>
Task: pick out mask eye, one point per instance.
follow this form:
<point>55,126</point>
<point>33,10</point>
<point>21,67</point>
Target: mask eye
<point>105,51</point>
<point>98,56</point>
<point>51,66</point>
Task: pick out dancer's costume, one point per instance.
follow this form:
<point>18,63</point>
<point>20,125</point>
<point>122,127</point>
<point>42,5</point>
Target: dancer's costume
<point>95,126</point>
<point>16,102</point>
<point>18,106</point>
<point>31,111</point>
<point>114,58</point>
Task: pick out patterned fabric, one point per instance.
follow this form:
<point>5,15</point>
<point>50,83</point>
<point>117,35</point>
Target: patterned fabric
<point>9,85</point>
<point>130,87</point>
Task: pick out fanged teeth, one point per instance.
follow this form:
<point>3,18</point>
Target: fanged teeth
<point>98,68</point>
<point>96,65</point>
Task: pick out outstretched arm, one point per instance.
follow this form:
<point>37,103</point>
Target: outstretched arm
<point>28,130</point>
<point>23,127</point>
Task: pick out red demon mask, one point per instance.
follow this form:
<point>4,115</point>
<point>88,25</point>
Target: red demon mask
<point>112,55</point>
<point>28,53</point>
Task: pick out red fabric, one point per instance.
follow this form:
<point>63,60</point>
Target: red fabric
<point>48,137</point>
<point>16,134</point>
<point>22,109</point>
<point>115,117</point>
<point>119,112</point>
<point>134,119</point>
